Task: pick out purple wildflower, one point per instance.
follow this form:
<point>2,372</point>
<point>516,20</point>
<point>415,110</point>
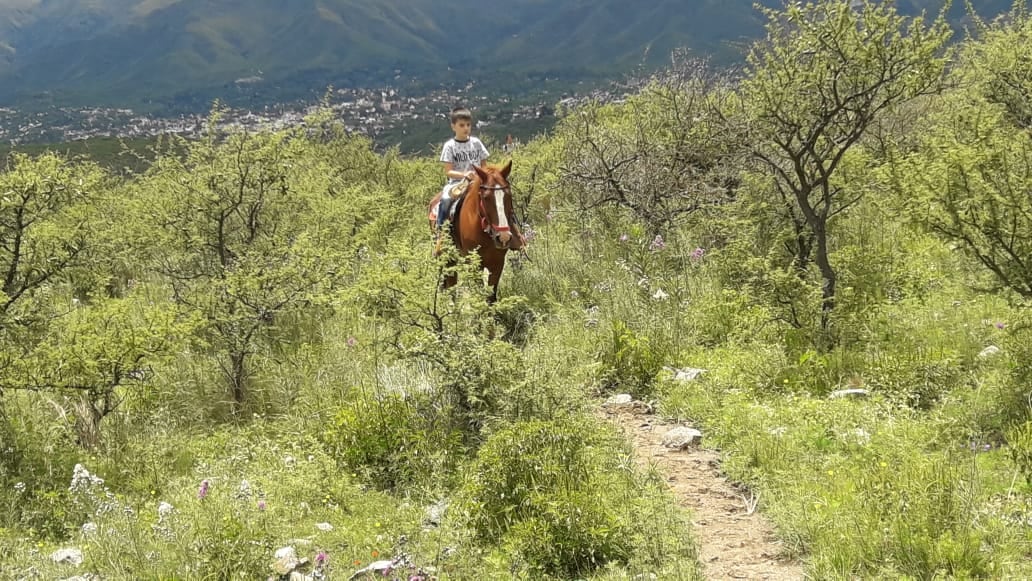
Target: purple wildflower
<point>658,244</point>
<point>352,342</point>
<point>549,217</point>
<point>1001,325</point>
<point>261,505</point>
<point>321,558</point>
<point>697,254</point>
<point>203,491</point>
<point>624,238</point>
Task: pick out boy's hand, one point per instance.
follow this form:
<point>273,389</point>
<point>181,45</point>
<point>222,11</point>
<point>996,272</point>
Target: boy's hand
<point>469,175</point>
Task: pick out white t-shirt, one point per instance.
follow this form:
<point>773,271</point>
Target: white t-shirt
<point>463,155</point>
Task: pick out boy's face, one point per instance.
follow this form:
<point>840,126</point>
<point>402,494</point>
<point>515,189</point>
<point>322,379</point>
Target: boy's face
<point>462,128</point>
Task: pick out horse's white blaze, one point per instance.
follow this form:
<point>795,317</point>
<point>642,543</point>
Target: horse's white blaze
<point>503,220</point>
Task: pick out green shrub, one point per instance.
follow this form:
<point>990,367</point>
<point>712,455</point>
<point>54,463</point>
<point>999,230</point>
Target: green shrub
<point>630,362</point>
<point>392,442</point>
<point>559,497</point>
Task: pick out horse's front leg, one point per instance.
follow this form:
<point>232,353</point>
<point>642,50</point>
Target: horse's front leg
<point>495,266</point>
<point>450,279</point>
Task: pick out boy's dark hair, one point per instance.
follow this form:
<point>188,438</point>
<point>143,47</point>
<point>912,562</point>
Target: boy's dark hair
<point>461,114</point>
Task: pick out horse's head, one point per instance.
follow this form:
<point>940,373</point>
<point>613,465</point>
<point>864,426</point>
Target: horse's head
<point>496,202</point>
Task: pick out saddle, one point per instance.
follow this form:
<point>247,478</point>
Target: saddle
<point>457,193</point>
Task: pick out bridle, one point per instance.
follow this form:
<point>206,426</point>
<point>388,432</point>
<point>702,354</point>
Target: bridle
<point>493,229</point>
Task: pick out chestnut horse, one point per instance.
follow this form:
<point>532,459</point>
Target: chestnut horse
<point>482,223</point>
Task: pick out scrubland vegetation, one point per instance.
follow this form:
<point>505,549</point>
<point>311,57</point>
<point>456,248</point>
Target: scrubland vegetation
<point>245,347</point>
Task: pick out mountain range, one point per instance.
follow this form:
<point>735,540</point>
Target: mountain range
<point>115,52</point>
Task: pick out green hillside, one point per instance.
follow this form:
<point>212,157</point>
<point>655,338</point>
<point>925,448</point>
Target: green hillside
<point>159,51</point>
<point>776,329</point>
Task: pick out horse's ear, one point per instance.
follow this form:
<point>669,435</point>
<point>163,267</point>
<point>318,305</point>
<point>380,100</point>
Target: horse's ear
<point>480,172</point>
<point>506,169</point>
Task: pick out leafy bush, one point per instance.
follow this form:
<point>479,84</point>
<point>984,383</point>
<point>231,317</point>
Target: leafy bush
<point>392,442</point>
<point>630,362</point>
<point>558,496</point>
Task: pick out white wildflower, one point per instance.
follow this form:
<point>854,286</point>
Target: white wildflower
<point>82,480</point>
<point>660,295</point>
<point>19,487</point>
<point>165,510</point>
<point>89,528</point>
<point>324,526</point>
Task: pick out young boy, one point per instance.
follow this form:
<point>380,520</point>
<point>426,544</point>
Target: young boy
<point>460,155</point>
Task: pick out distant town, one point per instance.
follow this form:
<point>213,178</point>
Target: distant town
<point>370,112</point>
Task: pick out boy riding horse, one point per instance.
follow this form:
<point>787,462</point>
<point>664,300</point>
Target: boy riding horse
<point>460,155</point>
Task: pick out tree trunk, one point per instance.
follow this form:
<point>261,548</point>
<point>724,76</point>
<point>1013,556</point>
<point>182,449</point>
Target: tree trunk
<point>828,275</point>
<point>238,377</point>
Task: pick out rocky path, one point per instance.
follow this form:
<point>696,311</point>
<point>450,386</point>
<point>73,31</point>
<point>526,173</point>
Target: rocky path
<point>735,542</point>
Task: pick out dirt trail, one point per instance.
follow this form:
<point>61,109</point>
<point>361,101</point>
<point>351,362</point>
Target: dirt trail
<point>733,543</point>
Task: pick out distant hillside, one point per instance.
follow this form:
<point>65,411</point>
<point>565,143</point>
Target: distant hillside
<point>134,51</point>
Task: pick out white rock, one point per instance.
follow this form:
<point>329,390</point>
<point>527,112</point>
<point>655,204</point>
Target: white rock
<point>687,374</point>
<point>619,400</point>
<point>681,438</point>
<point>989,351</point>
<point>286,553</point>
<point>324,527</point>
<point>286,561</point>
<point>377,567</point>
<point>856,393</point>
<point>67,557</point>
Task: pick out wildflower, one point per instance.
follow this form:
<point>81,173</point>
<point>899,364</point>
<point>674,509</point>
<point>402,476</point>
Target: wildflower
<point>1001,326</point>
<point>164,510</point>
<point>203,491</point>
<point>660,295</point>
<point>549,216</point>
<point>697,254</point>
<point>321,558</point>
<point>351,342</point>
<point>324,526</point>
<point>529,233</point>
<point>376,554</point>
<point>624,238</point>
<point>245,489</point>
<point>657,243</point>
<point>19,487</point>
<point>89,528</point>
<point>83,480</point>
<point>261,505</point>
